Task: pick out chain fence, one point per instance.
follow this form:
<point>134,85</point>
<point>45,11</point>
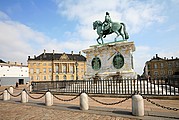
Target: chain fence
<point>98,101</point>
<point>121,101</point>
<point>12,94</point>
<point>34,97</point>
<point>66,100</point>
<point>158,105</point>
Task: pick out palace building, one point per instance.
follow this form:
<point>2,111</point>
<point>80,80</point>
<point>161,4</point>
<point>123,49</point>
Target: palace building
<point>161,67</point>
<point>57,66</point>
<point>12,73</point>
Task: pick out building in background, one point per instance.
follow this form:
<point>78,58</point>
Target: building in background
<point>57,66</point>
<point>12,72</point>
<point>161,67</point>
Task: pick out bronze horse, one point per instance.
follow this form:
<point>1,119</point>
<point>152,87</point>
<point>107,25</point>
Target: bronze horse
<point>115,28</point>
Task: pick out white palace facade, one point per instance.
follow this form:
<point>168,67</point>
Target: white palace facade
<point>12,72</point>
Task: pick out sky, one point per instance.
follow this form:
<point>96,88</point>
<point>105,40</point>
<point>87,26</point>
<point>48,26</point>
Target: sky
<point>27,27</point>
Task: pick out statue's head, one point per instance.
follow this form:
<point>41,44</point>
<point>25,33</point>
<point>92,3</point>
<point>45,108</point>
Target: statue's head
<point>107,13</point>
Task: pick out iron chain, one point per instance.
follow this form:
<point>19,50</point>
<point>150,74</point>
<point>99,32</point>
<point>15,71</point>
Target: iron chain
<point>35,97</point>
<point>1,94</point>
<point>158,105</point>
<point>14,95</point>
<point>111,103</point>
<point>67,99</point>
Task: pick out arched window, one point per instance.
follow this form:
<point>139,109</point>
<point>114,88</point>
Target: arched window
<point>64,77</point>
<point>57,77</point>
<point>72,77</point>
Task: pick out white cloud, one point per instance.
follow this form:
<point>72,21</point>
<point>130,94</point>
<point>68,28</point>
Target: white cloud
<point>19,41</point>
<point>15,39</point>
<point>136,14</point>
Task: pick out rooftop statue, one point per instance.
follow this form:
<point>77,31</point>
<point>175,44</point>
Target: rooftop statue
<point>108,27</point>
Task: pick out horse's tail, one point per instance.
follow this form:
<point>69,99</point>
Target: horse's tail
<point>125,32</point>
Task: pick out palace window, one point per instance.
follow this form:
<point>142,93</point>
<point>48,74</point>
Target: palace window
<point>148,66</point>
<point>156,73</point>
<point>72,77</point>
<point>57,77</point>
<point>31,70</point>
<point>64,77</point>
<point>45,78</point>
<point>169,65</point>
<point>50,70</point>
<point>37,70</point>
<point>71,69</point>
<point>161,65</point>
<point>64,68</point>
<point>169,72</point>
<point>44,70</point>
<point>57,68</point>
<point>155,66</point>
<point>38,78</point>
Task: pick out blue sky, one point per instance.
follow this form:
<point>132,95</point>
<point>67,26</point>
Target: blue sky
<point>27,27</point>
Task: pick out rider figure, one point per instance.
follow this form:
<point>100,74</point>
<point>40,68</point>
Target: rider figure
<point>106,22</point>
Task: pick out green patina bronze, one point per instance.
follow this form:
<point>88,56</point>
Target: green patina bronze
<point>107,43</point>
<point>96,63</point>
<point>108,27</point>
<point>118,61</point>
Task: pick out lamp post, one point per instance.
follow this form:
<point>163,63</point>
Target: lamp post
<point>76,64</point>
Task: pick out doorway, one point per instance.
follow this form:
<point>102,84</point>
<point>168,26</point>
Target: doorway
<point>21,81</point>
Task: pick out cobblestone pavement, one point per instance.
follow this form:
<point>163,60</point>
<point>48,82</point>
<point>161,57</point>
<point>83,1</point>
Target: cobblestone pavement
<point>11,111</point>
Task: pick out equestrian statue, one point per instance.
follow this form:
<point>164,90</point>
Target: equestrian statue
<point>108,27</point>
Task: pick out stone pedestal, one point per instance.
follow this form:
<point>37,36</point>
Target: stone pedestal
<point>110,60</point>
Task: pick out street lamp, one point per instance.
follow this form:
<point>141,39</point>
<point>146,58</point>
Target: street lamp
<point>76,64</point>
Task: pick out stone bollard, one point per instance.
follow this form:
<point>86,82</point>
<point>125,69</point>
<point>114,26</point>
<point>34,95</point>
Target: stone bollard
<point>5,95</point>
<point>11,90</point>
<point>84,101</point>
<point>24,97</point>
<point>137,105</point>
<point>48,99</point>
<point>30,88</point>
